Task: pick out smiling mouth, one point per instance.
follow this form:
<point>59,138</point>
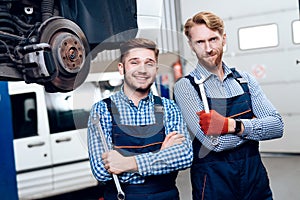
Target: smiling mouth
<point>141,78</point>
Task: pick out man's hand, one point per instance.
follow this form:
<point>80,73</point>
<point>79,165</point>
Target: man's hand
<point>115,163</point>
<point>172,139</point>
<point>213,123</point>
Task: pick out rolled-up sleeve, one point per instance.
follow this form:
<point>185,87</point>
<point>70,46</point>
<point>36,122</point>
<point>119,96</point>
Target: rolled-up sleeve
<point>268,123</point>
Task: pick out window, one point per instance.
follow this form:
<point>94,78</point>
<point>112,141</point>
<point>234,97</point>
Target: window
<point>62,115</point>
<point>70,111</point>
<point>258,37</point>
<point>24,114</point>
<point>296,32</point>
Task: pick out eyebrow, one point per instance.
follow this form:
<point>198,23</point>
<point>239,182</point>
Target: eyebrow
<point>136,58</point>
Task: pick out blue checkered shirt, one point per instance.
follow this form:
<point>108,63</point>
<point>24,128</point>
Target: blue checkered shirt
<point>267,125</point>
<point>165,161</point>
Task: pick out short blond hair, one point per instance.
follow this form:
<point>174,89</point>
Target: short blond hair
<point>211,20</point>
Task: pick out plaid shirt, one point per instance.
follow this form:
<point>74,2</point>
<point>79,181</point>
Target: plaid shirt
<point>165,161</point>
<point>267,125</point>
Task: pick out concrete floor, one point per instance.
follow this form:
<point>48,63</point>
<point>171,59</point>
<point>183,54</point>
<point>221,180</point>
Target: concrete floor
<point>284,174</point>
<point>283,171</point>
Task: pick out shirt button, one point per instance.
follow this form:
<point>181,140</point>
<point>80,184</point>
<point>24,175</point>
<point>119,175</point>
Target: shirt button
<point>214,141</point>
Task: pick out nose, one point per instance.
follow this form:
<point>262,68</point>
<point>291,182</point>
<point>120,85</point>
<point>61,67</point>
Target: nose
<point>207,47</point>
<point>142,67</point>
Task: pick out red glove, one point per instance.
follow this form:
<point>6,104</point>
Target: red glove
<point>213,123</point>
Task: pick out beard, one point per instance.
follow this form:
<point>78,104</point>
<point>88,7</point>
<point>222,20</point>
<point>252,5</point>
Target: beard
<point>205,62</point>
<point>144,89</point>
<point>219,59</point>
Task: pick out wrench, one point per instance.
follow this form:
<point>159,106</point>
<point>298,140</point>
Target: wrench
<point>95,121</point>
<point>200,83</point>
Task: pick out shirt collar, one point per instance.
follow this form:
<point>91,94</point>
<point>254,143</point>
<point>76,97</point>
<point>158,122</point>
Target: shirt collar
<point>227,70</point>
<point>126,99</point>
<point>201,72</point>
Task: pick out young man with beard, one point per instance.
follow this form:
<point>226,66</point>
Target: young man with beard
<point>227,163</point>
<point>147,136</point>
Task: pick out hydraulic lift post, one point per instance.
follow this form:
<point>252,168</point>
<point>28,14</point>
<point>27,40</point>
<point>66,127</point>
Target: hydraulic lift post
<point>8,183</point>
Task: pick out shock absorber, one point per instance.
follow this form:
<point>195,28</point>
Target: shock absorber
<point>47,7</point>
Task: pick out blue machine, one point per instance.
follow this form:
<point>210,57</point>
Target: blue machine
<point>8,183</point>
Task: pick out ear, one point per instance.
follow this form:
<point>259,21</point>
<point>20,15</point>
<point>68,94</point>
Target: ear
<point>224,39</point>
<point>121,68</point>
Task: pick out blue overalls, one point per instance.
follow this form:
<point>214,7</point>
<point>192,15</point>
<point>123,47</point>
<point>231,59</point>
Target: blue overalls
<point>131,140</point>
<point>235,174</point>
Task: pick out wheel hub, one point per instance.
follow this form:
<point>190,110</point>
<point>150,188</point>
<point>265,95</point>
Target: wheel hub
<point>70,52</point>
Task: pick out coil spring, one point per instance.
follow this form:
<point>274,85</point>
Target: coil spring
<point>47,9</point>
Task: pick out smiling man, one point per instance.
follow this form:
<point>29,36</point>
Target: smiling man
<point>147,136</point>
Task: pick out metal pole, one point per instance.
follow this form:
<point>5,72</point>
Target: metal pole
<point>8,183</point>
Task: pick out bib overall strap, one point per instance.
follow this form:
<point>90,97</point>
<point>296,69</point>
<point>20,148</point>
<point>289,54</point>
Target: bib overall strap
<point>158,110</point>
<point>240,80</point>
<point>236,76</point>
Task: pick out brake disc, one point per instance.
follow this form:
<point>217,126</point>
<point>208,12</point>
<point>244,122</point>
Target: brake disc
<point>70,49</point>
